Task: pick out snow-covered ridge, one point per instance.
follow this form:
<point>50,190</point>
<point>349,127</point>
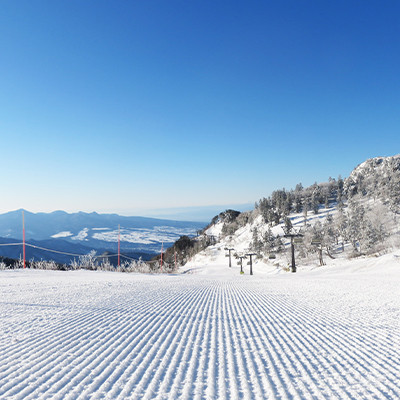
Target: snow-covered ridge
<point>382,166</point>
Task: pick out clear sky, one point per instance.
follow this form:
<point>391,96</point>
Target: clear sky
<point>131,106</point>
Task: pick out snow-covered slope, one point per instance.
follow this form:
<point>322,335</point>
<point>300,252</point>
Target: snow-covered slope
<point>241,241</point>
<point>209,333</point>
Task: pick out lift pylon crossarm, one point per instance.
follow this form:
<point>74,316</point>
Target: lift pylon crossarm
<point>229,255</point>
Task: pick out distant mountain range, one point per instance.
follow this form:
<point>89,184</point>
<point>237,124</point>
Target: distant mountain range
<point>81,232</point>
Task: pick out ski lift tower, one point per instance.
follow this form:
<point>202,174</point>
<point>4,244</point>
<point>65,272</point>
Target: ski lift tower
<point>294,238</point>
<point>212,239</point>
<point>250,255</point>
<point>229,255</point>
<point>241,263</point>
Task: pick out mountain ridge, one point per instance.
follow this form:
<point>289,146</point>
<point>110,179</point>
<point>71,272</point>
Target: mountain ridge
<point>95,231</point>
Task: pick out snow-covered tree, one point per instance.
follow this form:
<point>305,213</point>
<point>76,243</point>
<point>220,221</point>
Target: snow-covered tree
<point>315,198</point>
<point>355,224</point>
<point>288,225</point>
<point>256,244</point>
<point>268,241</point>
<point>330,236</point>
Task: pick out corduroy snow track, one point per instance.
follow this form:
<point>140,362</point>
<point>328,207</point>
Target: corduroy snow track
<point>96,335</point>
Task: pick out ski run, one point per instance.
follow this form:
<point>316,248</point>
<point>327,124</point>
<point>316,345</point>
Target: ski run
<point>204,333</point>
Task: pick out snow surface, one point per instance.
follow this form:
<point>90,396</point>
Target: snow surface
<point>158,234</point>
<point>206,333</point>
<point>62,234</point>
<point>82,235</point>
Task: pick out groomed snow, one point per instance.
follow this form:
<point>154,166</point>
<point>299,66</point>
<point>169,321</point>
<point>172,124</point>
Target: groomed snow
<point>208,333</point>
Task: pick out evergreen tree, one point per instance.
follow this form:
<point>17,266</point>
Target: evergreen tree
<point>326,202</point>
<point>330,238</point>
<point>374,232</point>
<point>393,189</point>
<point>305,212</point>
<point>288,226</point>
<point>340,185</point>
<point>340,226</point>
<point>264,207</point>
<point>318,235</point>
<point>268,241</point>
<point>314,202</point>
<point>297,195</point>
<point>256,244</point>
<point>356,223</point>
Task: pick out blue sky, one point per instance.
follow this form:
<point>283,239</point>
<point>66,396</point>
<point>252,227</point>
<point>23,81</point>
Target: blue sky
<point>135,106</point>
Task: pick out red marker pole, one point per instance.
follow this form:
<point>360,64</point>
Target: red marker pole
<point>23,236</point>
<point>119,245</point>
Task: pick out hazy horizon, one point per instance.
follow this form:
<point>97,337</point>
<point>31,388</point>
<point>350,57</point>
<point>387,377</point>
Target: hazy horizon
<point>195,214</point>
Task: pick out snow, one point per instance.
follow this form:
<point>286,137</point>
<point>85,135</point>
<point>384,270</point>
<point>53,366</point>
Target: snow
<point>158,234</point>
<point>82,235</point>
<point>206,333</point>
<point>215,229</point>
<point>62,234</point>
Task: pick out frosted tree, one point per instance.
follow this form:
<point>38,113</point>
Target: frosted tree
<point>340,187</point>
<point>340,203</point>
<point>356,224</point>
<point>298,193</point>
<point>330,237</point>
<point>305,212</point>
<point>256,244</point>
<point>264,207</point>
<point>306,248</point>
<point>229,228</point>
<point>375,231</point>
<point>243,218</point>
<point>340,225</point>
<point>369,236</point>
<point>393,189</point>
<point>326,201</point>
<point>315,198</point>
<point>268,240</point>
<point>105,264</point>
<point>88,261</point>
<point>288,226</point>
<point>317,234</point>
